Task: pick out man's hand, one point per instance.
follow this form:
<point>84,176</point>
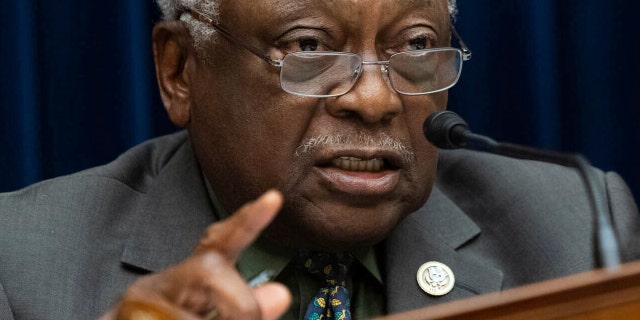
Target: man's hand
<point>208,279</point>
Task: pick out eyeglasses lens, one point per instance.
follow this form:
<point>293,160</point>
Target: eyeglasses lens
<point>321,74</point>
<point>420,72</point>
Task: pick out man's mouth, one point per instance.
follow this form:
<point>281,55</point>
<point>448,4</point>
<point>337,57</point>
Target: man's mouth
<point>356,173</point>
<point>357,164</point>
<point>369,167</point>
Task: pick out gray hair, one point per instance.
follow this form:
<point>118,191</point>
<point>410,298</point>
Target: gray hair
<point>174,10</point>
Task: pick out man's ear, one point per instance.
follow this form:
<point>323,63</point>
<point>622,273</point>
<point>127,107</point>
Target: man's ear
<point>172,50</point>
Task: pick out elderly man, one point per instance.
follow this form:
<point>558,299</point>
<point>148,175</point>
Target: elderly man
<point>324,102</point>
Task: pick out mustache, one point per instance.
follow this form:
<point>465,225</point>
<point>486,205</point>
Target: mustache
<point>380,141</point>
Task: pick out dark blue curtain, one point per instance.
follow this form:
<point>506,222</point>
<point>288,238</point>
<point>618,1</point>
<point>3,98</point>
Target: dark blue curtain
<point>77,85</point>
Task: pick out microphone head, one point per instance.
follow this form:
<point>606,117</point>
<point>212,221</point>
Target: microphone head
<point>439,129</point>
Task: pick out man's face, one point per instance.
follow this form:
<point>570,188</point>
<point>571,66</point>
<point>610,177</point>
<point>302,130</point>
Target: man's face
<point>350,167</point>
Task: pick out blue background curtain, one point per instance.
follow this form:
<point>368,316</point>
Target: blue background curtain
<point>77,85</point>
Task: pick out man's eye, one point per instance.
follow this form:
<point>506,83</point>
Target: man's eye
<point>308,44</point>
<point>419,43</point>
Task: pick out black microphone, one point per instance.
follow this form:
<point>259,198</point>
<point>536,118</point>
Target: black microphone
<point>447,130</point>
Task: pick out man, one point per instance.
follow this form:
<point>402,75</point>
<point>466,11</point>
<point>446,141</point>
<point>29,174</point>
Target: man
<point>268,104</point>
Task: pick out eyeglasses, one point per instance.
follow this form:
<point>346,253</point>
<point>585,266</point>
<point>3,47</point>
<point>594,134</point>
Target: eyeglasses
<point>322,74</point>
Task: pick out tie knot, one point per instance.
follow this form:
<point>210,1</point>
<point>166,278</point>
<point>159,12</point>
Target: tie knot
<point>332,268</point>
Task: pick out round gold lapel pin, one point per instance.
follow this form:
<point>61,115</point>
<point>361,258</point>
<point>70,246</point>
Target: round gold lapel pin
<point>435,278</point>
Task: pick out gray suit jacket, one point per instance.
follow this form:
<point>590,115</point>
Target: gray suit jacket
<point>69,246</point>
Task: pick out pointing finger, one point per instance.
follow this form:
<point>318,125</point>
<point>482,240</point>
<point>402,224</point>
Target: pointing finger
<point>234,234</point>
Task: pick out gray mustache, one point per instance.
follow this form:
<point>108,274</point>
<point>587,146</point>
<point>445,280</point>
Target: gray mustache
<point>381,141</point>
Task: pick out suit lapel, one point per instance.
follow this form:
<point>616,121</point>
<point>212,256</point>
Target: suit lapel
<point>436,232</point>
<point>171,216</point>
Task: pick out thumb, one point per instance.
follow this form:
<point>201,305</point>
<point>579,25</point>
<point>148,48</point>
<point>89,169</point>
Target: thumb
<point>274,300</point>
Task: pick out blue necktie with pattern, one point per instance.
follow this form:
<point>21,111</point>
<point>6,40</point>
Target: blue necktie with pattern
<point>332,301</point>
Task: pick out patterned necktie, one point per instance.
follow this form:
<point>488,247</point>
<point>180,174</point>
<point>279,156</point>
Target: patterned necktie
<point>332,301</point>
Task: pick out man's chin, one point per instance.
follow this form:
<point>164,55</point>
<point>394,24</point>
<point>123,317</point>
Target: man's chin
<point>335,228</point>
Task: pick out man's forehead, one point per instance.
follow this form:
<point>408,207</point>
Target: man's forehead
<point>290,10</point>
<point>338,2</point>
<point>387,4</point>
<point>288,5</point>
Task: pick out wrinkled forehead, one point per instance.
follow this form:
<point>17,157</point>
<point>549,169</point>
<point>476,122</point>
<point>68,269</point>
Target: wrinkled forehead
<point>262,13</point>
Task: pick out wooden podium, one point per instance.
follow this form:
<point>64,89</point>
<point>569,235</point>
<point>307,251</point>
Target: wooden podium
<point>600,294</point>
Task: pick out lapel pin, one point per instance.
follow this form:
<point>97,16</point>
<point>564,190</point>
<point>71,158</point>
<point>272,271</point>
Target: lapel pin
<point>435,278</point>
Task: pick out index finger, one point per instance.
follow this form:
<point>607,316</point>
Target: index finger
<point>231,236</point>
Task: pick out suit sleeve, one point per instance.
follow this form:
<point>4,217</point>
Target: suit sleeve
<point>624,215</point>
<point>5,309</point>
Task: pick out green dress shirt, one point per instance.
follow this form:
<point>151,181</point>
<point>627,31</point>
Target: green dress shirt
<point>364,284</point>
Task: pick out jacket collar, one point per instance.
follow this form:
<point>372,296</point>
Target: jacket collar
<point>436,232</point>
<point>172,215</point>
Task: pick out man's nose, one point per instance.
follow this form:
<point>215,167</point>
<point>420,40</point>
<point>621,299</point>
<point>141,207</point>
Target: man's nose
<point>372,99</point>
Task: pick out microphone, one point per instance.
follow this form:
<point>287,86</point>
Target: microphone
<point>447,130</point>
